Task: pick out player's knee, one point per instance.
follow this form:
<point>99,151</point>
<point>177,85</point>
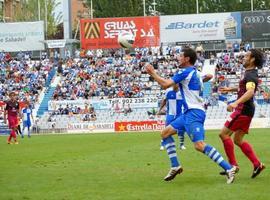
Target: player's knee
<point>223,136</point>
<point>199,146</point>
<point>237,141</point>
<point>163,134</point>
<point>168,131</point>
<point>220,136</point>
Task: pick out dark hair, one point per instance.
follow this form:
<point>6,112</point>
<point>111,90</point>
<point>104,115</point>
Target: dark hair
<point>259,57</point>
<point>12,93</point>
<point>189,52</point>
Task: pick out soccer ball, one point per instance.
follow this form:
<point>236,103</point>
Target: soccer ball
<point>126,39</point>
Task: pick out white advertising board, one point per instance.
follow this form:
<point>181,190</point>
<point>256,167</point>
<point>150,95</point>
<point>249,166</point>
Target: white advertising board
<point>200,27</point>
<point>219,123</point>
<point>22,36</point>
<point>52,44</point>
<point>103,104</point>
<point>90,127</point>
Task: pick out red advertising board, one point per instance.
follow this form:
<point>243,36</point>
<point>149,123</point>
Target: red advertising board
<point>102,33</point>
<point>139,126</point>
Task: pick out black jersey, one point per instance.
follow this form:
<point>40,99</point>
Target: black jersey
<point>247,108</point>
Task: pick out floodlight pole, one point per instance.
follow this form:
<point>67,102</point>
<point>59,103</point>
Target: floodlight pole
<point>39,20</point>
<point>91,9</point>
<point>38,10</point>
<point>3,13</point>
<point>46,18</point>
<point>251,5</point>
<point>144,13</point>
<point>197,6</point>
<point>154,4</point>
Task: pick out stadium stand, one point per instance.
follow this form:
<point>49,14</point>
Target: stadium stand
<point>28,77</point>
<point>103,70</point>
<point>106,77</point>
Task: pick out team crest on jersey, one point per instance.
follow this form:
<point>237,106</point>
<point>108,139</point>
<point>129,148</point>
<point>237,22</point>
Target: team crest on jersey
<point>178,95</point>
<point>229,119</point>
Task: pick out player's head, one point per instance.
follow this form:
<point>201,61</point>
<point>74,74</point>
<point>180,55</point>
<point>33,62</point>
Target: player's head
<point>27,103</point>
<point>187,57</point>
<point>12,95</point>
<point>254,58</point>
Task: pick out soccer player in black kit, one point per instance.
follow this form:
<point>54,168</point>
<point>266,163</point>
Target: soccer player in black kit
<point>243,111</point>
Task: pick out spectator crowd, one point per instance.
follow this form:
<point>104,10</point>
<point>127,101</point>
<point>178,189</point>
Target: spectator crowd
<point>112,75</point>
<point>23,75</point>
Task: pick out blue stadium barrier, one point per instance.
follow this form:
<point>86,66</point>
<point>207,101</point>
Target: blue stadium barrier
<point>4,130</point>
<point>207,89</point>
<point>49,93</point>
<point>50,77</point>
<point>44,104</point>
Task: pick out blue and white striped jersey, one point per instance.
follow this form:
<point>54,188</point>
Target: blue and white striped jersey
<point>174,102</point>
<point>27,114</point>
<point>190,85</point>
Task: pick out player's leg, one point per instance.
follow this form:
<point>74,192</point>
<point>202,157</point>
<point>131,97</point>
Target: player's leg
<point>161,145</point>
<point>215,156</point>
<point>196,133</point>
<point>228,145</point>
<point>12,121</point>
<point>9,138</point>
<point>249,152</point>
<point>195,130</point>
<point>28,129</point>
<point>169,119</point>
<point>24,127</point>
<point>181,136</point>
<point>19,129</point>
<point>16,122</point>
<point>10,135</point>
<point>169,144</point>
<point>13,135</point>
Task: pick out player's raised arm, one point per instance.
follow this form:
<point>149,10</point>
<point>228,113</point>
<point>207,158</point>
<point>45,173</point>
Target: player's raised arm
<point>164,83</point>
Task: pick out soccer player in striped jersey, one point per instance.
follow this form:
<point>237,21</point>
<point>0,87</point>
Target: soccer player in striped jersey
<point>27,116</point>
<point>243,111</point>
<point>11,114</point>
<point>192,120</point>
<point>173,102</point>
<point>174,108</point>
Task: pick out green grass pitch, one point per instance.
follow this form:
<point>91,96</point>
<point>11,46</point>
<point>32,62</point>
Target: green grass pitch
<point>125,166</point>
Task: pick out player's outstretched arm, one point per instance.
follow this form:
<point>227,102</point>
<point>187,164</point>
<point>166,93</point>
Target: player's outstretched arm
<point>207,77</point>
<point>248,95</point>
<point>227,89</point>
<point>164,83</point>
